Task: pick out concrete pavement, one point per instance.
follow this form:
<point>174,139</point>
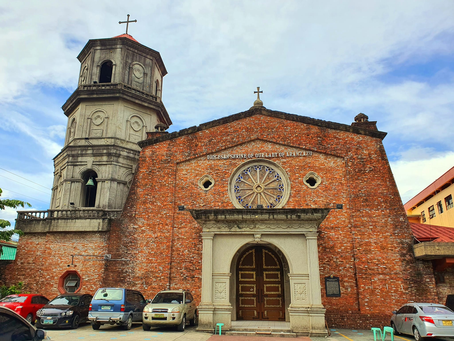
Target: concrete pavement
<point>108,333</point>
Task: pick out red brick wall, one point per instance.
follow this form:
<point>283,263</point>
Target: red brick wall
<point>42,259</point>
<point>367,244</point>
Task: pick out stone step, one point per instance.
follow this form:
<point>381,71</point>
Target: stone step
<point>260,332</point>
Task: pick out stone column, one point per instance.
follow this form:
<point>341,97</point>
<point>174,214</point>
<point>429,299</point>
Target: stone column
<point>206,307</point>
<point>317,311</point>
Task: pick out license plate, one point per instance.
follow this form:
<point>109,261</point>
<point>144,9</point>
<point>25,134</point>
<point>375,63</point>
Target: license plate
<point>447,322</point>
<point>48,322</point>
<point>105,307</point>
<point>158,315</point>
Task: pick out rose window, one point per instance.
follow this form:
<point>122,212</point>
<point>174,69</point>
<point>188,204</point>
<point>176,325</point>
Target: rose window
<point>259,185</point>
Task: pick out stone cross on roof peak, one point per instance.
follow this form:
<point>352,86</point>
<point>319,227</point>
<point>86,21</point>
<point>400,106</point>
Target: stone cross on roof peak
<point>258,102</point>
<point>127,23</point>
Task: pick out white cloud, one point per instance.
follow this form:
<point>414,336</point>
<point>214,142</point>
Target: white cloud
<point>327,60</point>
<point>413,175</point>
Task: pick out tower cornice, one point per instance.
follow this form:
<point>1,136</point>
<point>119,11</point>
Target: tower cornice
<point>115,90</point>
<point>122,41</point>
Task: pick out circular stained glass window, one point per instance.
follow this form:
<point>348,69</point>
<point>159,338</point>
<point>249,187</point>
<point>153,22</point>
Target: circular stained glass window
<point>259,184</point>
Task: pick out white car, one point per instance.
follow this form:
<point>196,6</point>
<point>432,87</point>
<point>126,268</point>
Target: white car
<point>423,320</point>
<point>170,307</point>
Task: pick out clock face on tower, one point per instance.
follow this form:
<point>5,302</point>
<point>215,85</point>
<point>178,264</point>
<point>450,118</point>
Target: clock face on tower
<point>259,182</point>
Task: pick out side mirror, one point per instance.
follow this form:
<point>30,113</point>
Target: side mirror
<point>148,301</point>
<point>40,334</point>
<point>395,312</point>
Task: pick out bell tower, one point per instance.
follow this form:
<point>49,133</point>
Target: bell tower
<point>118,99</point>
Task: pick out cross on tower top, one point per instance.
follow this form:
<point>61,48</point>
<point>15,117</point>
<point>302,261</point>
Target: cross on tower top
<point>127,23</point>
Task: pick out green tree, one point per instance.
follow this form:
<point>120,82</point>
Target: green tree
<point>6,234</point>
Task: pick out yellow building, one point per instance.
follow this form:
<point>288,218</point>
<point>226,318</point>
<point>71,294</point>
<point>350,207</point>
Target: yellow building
<point>434,204</point>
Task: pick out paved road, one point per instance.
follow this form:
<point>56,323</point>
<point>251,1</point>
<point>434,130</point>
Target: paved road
<point>108,333</point>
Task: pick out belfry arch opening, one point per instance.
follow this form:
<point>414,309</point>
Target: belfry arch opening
<point>89,188</point>
<point>105,75</point>
<point>260,286</point>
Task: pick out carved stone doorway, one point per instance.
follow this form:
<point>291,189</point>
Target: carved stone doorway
<point>260,285</point>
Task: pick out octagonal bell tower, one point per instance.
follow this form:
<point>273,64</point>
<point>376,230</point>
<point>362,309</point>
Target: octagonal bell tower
<point>118,100</point>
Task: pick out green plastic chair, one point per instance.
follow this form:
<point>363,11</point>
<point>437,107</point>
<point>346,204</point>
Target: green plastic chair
<point>377,331</point>
<point>390,330</point>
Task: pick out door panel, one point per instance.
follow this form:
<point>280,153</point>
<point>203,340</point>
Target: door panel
<point>260,285</point>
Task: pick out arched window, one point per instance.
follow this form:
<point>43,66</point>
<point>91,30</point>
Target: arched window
<point>106,72</point>
<point>89,188</point>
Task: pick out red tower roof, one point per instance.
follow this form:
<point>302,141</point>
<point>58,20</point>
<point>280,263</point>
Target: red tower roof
<point>126,36</point>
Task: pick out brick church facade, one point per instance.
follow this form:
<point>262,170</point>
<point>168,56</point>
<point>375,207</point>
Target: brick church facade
<point>263,215</point>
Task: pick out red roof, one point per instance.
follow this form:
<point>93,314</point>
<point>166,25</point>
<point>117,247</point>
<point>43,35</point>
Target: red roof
<point>126,36</point>
<point>429,233</point>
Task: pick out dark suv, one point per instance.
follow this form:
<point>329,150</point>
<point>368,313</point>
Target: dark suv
<point>116,306</point>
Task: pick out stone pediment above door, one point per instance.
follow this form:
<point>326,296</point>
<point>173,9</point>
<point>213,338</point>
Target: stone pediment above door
<point>298,221</point>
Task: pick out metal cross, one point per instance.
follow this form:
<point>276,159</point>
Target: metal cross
<point>127,23</point>
<point>258,92</point>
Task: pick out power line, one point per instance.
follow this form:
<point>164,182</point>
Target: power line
<point>24,178</point>
<point>23,184</point>
<point>25,195</point>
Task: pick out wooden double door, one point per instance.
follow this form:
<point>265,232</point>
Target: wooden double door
<point>260,285</point>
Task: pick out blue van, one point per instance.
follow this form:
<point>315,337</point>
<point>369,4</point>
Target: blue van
<point>116,306</point>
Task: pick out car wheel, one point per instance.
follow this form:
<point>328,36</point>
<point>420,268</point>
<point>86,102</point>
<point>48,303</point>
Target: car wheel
<point>182,325</point>
<point>194,320</point>
<point>416,334</point>
<point>76,321</point>
<point>393,325</point>
<point>29,318</point>
<point>146,327</point>
<point>95,325</point>
<point>128,323</point>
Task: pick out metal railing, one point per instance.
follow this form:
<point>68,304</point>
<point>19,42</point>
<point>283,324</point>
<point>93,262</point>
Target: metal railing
<point>69,214</point>
<point>113,86</point>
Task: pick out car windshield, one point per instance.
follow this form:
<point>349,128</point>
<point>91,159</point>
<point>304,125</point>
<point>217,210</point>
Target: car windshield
<point>65,300</point>
<point>109,294</point>
<point>436,310</point>
<point>168,297</point>
<point>17,299</point>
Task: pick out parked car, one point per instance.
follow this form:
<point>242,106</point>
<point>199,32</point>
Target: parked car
<point>15,327</point>
<point>26,305</point>
<point>170,308</point>
<point>67,310</point>
<point>423,320</point>
<point>116,306</point>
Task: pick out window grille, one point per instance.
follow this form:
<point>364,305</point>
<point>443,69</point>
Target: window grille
<point>448,202</point>
<point>439,207</point>
<point>432,212</point>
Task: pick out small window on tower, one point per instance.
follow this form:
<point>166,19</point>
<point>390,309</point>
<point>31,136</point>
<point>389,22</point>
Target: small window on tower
<point>106,72</point>
<point>156,90</point>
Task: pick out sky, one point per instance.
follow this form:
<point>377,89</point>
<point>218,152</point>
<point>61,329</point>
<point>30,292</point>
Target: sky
<point>329,60</point>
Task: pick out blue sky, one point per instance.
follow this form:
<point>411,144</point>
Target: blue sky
<point>330,60</point>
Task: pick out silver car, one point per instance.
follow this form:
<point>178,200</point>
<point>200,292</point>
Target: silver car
<point>170,308</point>
<point>423,320</point>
